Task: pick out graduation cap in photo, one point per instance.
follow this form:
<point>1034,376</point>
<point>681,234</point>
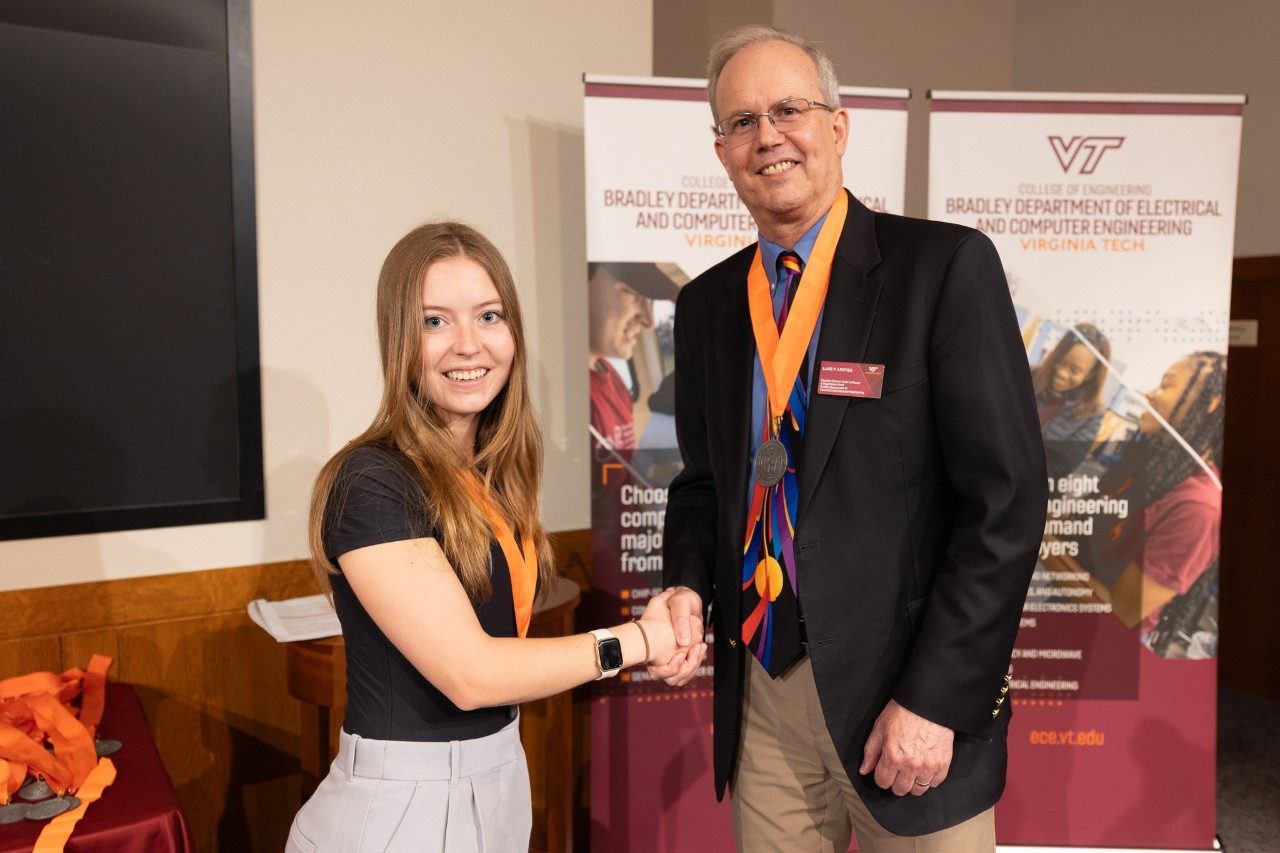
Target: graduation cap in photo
<point>653,280</point>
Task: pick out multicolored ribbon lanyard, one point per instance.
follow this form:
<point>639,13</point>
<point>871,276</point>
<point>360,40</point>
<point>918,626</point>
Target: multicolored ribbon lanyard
<point>781,356</point>
<point>523,567</point>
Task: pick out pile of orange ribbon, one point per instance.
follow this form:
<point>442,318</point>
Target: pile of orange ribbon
<point>41,708</point>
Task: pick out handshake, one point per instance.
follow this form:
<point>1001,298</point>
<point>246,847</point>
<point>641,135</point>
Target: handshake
<point>672,623</point>
<point>905,752</point>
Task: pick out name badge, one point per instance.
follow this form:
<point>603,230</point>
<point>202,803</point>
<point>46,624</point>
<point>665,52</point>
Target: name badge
<point>850,379</point>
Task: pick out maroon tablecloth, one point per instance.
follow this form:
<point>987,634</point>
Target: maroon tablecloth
<point>139,812</point>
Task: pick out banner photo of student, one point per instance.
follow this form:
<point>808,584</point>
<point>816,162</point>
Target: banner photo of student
<point>660,210</point>
<point>1114,216</point>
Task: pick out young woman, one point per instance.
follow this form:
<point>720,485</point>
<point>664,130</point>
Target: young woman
<point>426,529</point>
<point>1068,384</point>
<point>1170,535</point>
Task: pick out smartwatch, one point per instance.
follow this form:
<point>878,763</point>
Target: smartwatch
<point>608,653</point>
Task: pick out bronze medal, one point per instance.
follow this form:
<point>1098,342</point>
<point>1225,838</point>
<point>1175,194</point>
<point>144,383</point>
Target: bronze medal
<point>770,463</point>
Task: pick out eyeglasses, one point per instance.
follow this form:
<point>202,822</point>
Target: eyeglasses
<point>790,114</point>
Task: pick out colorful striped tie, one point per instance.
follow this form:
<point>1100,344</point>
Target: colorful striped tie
<point>771,611</point>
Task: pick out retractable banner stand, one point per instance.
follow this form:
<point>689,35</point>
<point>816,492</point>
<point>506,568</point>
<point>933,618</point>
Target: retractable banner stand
<point>660,210</point>
<point>1114,217</point>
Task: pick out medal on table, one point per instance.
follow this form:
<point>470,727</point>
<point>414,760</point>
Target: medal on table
<point>35,790</point>
<point>13,813</point>
<point>106,747</point>
<point>46,809</point>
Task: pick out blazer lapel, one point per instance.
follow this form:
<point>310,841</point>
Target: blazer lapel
<point>738,362</point>
<point>847,316</point>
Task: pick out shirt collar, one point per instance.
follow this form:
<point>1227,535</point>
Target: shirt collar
<point>769,252</point>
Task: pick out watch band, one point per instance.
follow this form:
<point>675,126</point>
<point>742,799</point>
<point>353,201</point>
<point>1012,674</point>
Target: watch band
<point>608,650</point>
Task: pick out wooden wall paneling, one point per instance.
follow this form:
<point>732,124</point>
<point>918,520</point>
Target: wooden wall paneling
<point>582,769</point>
<point>316,672</point>
<point>213,691</point>
<point>573,557</point>
<point>76,607</point>
<point>21,655</point>
<point>210,681</point>
<point>546,731</point>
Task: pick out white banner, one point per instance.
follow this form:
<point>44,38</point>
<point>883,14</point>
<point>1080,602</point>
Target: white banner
<point>660,210</point>
<point>1114,216</point>
<point>656,192</point>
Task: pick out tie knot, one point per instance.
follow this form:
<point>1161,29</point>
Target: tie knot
<point>790,263</point>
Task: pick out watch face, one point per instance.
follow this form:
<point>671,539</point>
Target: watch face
<point>610,654</point>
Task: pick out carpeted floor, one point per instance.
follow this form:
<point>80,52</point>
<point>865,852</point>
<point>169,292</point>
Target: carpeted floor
<point>1248,773</point>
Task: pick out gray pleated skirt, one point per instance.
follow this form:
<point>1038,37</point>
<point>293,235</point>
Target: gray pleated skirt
<point>453,797</point>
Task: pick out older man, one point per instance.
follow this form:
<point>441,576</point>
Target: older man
<point>863,491</point>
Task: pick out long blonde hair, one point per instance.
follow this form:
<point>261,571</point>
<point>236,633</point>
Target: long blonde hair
<point>508,451</point>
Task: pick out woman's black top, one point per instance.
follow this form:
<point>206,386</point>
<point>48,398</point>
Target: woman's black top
<point>375,500</point>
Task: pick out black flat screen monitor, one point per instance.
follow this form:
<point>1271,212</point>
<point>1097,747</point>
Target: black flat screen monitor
<point>129,384</point>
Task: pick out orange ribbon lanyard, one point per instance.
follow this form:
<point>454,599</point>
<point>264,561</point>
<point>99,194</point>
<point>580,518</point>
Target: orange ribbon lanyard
<point>53,838</point>
<point>72,743</point>
<point>19,748</point>
<point>35,682</point>
<point>780,359</point>
<point>12,773</point>
<point>93,699</point>
<point>523,567</point>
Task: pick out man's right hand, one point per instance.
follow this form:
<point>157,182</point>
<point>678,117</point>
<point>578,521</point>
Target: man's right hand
<point>685,607</point>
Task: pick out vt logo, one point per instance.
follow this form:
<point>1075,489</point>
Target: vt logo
<point>1083,152</point>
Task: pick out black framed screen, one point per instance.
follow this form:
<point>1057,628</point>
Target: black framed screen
<point>129,386</point>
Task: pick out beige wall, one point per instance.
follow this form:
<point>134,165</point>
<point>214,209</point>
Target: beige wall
<point>1194,46</point>
<point>683,30</point>
<point>355,145</point>
<point>1200,46</point>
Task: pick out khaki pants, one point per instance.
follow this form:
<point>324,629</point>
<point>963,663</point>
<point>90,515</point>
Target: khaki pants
<point>791,792</point>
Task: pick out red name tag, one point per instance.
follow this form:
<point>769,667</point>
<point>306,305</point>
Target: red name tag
<point>850,379</point>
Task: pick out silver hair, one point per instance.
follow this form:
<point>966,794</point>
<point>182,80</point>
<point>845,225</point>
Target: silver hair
<point>728,45</point>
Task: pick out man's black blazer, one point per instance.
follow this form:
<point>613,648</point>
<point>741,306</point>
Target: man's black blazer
<point>920,512</point>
